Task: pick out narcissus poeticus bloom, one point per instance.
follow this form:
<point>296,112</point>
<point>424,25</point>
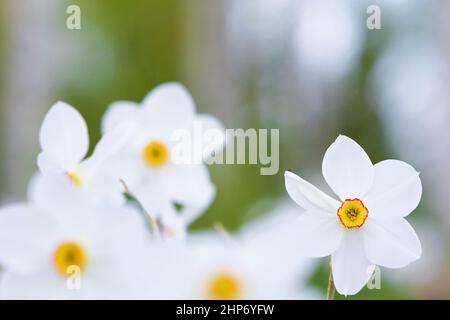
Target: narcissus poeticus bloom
<point>215,269</point>
<point>61,245</point>
<point>147,163</point>
<point>366,226</point>
<point>64,140</point>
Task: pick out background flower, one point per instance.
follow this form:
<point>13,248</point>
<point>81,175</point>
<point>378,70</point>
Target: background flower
<point>64,140</point>
<point>148,164</point>
<point>61,229</point>
<point>217,268</point>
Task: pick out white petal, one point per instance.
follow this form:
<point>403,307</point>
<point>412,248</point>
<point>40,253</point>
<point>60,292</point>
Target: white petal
<point>61,201</point>
<point>25,238</point>
<point>351,269</point>
<point>119,112</point>
<point>127,165</point>
<point>44,284</point>
<point>347,169</point>
<point>105,188</point>
<point>153,197</point>
<point>308,196</point>
<point>396,189</point>
<point>47,166</point>
<point>159,206</point>
<point>314,233</point>
<point>122,227</point>
<point>167,108</point>
<point>110,144</point>
<point>391,243</point>
<point>191,186</point>
<point>64,136</point>
<point>175,223</point>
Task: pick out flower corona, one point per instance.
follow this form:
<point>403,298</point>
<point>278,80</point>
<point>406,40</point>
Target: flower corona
<point>69,254</point>
<point>352,213</point>
<point>224,286</point>
<point>155,154</point>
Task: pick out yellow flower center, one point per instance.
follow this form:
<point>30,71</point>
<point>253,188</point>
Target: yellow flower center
<point>352,213</point>
<point>75,178</point>
<point>155,154</point>
<point>224,286</point>
<point>69,254</point>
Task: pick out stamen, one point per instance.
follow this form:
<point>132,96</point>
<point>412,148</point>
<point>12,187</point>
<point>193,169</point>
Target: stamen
<point>75,178</point>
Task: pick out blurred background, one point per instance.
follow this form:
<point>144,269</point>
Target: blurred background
<point>310,68</point>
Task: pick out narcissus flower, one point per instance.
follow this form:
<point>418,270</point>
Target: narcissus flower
<point>147,165</point>
<point>64,141</point>
<point>366,226</point>
<point>62,245</point>
<point>250,265</point>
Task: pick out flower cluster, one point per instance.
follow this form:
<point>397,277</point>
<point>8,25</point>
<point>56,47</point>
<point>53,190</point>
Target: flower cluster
<point>115,224</point>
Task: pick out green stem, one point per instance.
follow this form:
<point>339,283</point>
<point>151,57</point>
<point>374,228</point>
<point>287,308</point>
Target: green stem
<point>331,289</point>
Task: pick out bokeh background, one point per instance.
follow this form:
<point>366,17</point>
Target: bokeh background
<point>309,68</point>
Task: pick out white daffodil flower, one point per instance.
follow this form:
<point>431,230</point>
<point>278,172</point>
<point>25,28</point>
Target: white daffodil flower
<point>217,269</point>
<point>64,141</point>
<point>366,226</point>
<point>63,246</point>
<point>149,166</point>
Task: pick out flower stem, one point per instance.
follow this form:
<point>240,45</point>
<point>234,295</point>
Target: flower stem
<point>331,289</point>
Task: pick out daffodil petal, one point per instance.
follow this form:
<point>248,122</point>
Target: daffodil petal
<point>159,207</point>
<point>110,144</point>
<point>47,166</point>
<point>351,268</point>
<point>308,196</point>
<point>60,201</point>
<point>119,112</point>
<point>24,238</point>
<point>347,169</point>
<point>396,190</point>
<point>315,233</point>
<point>153,198</point>
<point>191,186</point>
<point>64,136</point>
<point>44,284</point>
<point>167,108</point>
<point>391,243</point>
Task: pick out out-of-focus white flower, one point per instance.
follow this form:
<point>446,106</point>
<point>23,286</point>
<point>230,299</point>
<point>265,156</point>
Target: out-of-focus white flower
<point>366,227</point>
<point>63,245</point>
<point>253,268</point>
<point>328,37</point>
<point>64,141</point>
<point>264,236</point>
<point>149,164</point>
